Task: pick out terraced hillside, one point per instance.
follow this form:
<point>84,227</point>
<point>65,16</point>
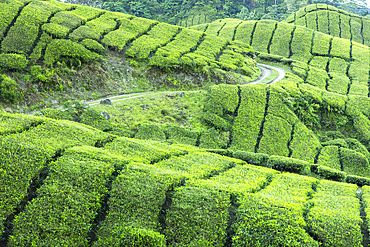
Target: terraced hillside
<point>285,164</point>
<point>336,22</point>
<point>89,188</point>
<point>50,33</point>
<point>334,64</point>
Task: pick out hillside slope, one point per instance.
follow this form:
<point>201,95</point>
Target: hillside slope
<point>89,188</point>
<point>55,35</point>
<point>336,22</point>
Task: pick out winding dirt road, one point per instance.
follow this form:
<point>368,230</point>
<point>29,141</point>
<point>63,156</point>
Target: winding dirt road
<point>266,71</point>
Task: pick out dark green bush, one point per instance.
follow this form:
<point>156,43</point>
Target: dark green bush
<point>9,90</point>
<point>360,181</point>
<point>13,61</point>
<point>258,159</point>
<point>181,134</point>
<point>330,173</point>
<point>93,45</point>
<point>150,132</point>
<point>287,164</point>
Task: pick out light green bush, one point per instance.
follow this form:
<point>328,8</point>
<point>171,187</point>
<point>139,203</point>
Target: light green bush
<point>301,44</point>
<point>150,132</point>
<point>9,90</point>
<point>281,39</point>
<point>197,217</point>
<point>287,164</point>
<point>93,45</point>
<point>13,61</point>
<point>244,31</point>
<point>329,156</point>
<point>262,35</point>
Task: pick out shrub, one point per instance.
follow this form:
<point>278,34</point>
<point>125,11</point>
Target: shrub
<point>330,173</point>
<point>9,90</point>
<point>311,20</point>
<point>281,39</point>
<point>317,77</point>
<point>250,116</point>
<point>93,45</point>
<point>8,13</point>
<point>244,31</point>
<point>258,159</point>
<point>168,56</point>
<point>354,163</point>
<point>56,114</point>
<point>334,28</point>
<point>335,204</point>
<point>158,36</point>
<point>341,48</point>
<point>24,32</point>
<point>304,144</point>
<point>66,204</point>
<point>329,156</point>
<point>181,135</point>
<point>301,44</point>
<point>287,164</point>
<point>338,83</point>
<point>45,39</point>
<point>229,29</point>
<point>276,135</point>
<point>319,62</point>
<point>360,181</point>
<point>261,217</point>
<point>128,30</point>
<point>262,35</point>
<point>14,123</point>
<point>323,21</point>
<point>134,207</point>
<point>212,138</point>
<point>13,61</point>
<point>197,164</point>
<point>345,27</point>
<point>150,132</point>
<point>59,49</point>
<point>142,151</point>
<point>198,217</point>
<point>95,119</point>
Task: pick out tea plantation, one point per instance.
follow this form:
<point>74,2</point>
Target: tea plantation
<point>220,162</point>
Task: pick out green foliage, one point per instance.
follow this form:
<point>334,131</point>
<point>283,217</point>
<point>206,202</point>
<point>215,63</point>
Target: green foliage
<point>244,32</point>
<point>338,83</point>
<point>214,27</point>
<point>341,48</point>
<point>366,35</point>
<point>317,77</point>
<point>311,20</point>
<point>158,36</point>
<point>330,173</point>
<point>14,123</point>
<point>319,62</point>
<point>168,56</point>
<point>9,90</point>
<point>23,34</point>
<point>198,164</point>
<point>95,28</point>
<point>142,151</point>
<point>287,164</point>
<point>330,157</point>
<point>45,39</point>
<point>274,216</point>
<point>8,13</point>
<point>93,45</point>
<point>56,114</point>
<point>197,217</point>
<point>137,197</point>
<point>181,135</point>
<point>228,30</point>
<point>95,119</point>
<point>321,43</point>
<point>214,139</point>
<point>335,204</point>
<point>150,132</point>
<point>323,21</point>
<point>240,179</point>
<point>250,116</point>
<point>258,159</point>
<point>304,144</point>
<point>281,39</point>
<point>360,181</point>
<point>301,48</point>
<point>66,204</point>
<point>345,27</point>
<point>354,163</point>
<point>338,65</point>
<point>13,61</point>
<point>76,53</point>
<point>334,23</point>
<point>276,135</point>
<point>262,35</point>
<point>128,30</point>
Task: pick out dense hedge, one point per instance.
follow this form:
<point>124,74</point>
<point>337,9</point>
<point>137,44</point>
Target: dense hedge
<point>273,217</point>
<point>335,204</point>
